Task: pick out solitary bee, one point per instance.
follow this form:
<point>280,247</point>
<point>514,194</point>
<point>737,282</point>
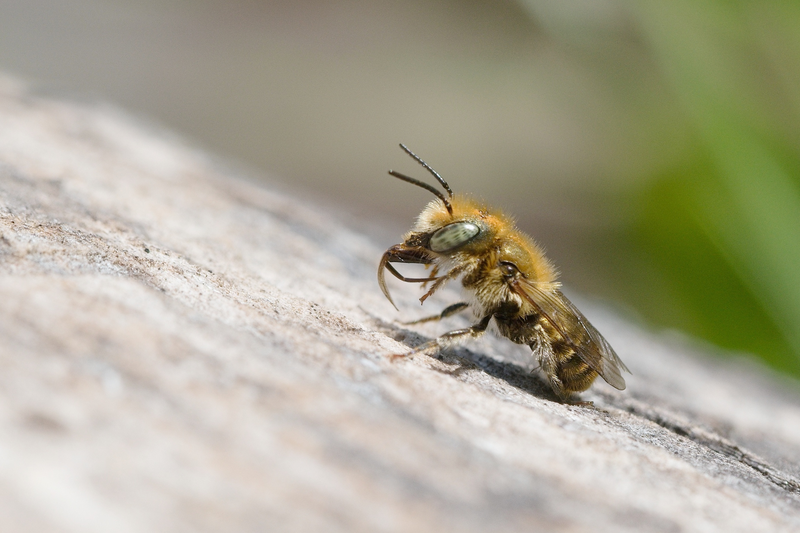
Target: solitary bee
<point>508,279</point>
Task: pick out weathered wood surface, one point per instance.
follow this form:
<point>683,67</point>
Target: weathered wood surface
<point>183,350</point>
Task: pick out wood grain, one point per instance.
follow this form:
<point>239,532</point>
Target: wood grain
<point>187,350</point>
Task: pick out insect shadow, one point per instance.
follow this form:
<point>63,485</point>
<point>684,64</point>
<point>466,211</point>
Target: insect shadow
<point>464,360</point>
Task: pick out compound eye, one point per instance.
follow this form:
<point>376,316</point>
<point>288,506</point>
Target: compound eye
<point>453,235</point>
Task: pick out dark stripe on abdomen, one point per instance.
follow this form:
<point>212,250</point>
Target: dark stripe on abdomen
<point>574,373</point>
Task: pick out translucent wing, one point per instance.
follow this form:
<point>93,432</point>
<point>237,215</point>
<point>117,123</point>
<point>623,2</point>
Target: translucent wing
<point>576,330</point>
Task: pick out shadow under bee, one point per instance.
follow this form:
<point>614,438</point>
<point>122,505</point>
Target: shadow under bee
<point>464,359</point>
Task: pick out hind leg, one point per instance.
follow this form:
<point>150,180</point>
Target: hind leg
<point>450,338</point>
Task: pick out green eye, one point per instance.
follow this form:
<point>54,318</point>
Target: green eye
<point>453,235</point>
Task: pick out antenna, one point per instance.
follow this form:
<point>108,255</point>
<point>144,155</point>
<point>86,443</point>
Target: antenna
<point>424,185</point>
<point>428,168</point>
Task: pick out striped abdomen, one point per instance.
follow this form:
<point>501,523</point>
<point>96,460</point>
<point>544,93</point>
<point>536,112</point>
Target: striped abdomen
<point>573,374</point>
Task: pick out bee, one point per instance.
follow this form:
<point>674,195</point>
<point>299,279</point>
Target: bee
<point>508,280</point>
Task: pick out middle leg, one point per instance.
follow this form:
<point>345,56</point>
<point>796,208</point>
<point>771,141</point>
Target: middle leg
<point>450,310</point>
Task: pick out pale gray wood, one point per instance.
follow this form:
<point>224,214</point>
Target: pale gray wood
<point>185,350</point>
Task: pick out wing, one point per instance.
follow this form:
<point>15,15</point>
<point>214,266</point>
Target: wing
<point>576,330</point>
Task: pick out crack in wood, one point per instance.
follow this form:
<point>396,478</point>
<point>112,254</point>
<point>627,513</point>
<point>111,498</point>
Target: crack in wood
<point>715,443</point>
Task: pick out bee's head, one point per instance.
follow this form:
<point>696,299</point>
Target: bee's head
<point>462,233</point>
<point>469,226</point>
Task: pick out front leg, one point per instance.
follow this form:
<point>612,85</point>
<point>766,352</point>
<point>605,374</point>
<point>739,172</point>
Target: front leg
<point>449,339</point>
<point>441,280</point>
<point>400,253</point>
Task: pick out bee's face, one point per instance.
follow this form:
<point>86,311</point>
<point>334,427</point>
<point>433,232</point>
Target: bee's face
<point>469,228</point>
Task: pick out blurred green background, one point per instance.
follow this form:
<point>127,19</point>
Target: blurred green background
<point>652,147</point>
